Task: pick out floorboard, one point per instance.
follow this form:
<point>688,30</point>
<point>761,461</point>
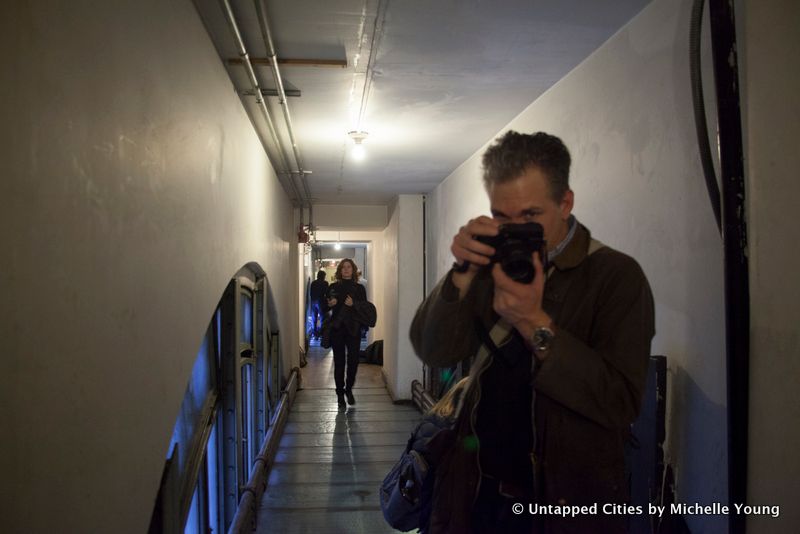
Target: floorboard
<point>330,462</point>
<point>329,439</point>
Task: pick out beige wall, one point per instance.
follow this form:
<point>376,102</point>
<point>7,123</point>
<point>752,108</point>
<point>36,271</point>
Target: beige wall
<point>389,259</point>
<point>771,85</point>
<point>133,188</point>
<point>342,217</point>
<point>403,260</point>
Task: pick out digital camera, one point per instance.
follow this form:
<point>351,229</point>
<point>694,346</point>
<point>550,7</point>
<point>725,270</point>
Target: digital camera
<point>514,246</point>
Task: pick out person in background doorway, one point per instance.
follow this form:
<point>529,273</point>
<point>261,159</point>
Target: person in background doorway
<point>344,298</point>
<point>319,288</point>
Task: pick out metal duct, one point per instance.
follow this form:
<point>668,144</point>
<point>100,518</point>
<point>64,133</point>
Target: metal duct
<point>273,61</point>
<point>251,74</point>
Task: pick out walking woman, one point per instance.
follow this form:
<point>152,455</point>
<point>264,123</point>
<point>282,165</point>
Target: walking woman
<point>347,300</point>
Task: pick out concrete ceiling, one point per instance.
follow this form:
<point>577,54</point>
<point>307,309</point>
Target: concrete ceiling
<point>441,78</point>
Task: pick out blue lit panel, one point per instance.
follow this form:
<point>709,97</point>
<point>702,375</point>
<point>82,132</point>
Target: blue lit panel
<point>193,521</point>
<point>212,453</point>
<point>200,384</point>
<point>246,333</point>
<point>247,418</point>
<point>218,322</point>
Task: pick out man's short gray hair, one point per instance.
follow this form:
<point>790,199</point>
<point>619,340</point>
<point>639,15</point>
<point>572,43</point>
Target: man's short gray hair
<point>514,153</point>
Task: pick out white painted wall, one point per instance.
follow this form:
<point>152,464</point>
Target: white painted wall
<point>626,115</point>
<point>771,85</point>
<point>360,257</point>
<point>390,260</point>
<point>133,189</point>
<point>304,273</point>
<point>403,256</point>
<point>343,217</point>
<point>376,286</point>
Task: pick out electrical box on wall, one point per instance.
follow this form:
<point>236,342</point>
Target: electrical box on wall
<point>302,235</point>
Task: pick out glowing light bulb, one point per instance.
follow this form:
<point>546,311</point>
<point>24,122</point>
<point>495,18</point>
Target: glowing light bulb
<point>337,246</point>
<point>359,153</point>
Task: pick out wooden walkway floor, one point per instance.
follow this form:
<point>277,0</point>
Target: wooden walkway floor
<point>330,462</point>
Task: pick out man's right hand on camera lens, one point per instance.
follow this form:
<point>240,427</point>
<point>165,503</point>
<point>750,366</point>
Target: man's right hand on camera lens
<point>466,248</point>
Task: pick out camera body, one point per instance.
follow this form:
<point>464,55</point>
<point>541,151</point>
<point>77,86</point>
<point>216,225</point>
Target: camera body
<point>514,246</point>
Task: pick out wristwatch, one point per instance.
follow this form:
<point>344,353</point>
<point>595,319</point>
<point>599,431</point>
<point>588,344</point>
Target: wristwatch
<point>541,339</point>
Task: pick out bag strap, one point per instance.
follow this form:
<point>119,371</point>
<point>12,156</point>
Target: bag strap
<point>498,336</point>
<point>594,246</point>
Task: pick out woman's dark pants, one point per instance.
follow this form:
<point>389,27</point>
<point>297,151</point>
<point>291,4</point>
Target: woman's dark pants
<point>340,342</point>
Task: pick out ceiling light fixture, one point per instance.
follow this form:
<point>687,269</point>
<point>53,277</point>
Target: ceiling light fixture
<point>358,138</point>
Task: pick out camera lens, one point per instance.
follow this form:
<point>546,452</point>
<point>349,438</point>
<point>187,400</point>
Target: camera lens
<point>520,270</point>
<point>517,264</point>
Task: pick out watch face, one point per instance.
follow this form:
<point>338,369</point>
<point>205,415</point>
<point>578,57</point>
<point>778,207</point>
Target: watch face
<point>541,338</point>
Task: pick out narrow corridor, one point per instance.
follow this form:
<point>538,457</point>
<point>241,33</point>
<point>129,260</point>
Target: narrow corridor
<point>330,463</point>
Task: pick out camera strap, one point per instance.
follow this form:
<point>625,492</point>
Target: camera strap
<point>498,336</point>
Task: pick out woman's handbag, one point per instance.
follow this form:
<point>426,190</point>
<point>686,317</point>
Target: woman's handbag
<point>325,339</point>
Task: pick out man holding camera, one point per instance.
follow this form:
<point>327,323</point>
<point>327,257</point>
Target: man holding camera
<point>557,364</point>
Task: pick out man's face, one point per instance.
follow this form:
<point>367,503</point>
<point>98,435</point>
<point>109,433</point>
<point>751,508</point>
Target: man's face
<point>527,199</point>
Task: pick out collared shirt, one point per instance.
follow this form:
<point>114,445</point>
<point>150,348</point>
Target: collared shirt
<point>571,223</point>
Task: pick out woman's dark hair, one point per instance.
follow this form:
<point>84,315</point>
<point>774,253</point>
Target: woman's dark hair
<point>338,274</point>
<point>514,153</point>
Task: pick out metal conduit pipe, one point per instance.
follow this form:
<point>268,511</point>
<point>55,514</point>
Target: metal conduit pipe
<point>701,127</point>
<point>251,74</point>
<point>421,397</point>
<point>273,61</point>
<point>732,223</point>
<point>734,233</point>
<point>310,214</point>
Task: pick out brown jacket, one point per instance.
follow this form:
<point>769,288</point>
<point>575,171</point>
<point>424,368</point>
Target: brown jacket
<point>587,391</point>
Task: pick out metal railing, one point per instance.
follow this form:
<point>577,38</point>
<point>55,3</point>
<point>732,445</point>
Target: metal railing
<point>245,518</point>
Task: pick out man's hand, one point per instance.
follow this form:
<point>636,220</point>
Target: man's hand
<point>348,301</point>
<point>332,302</point>
<point>466,248</point>
<point>521,304</point>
